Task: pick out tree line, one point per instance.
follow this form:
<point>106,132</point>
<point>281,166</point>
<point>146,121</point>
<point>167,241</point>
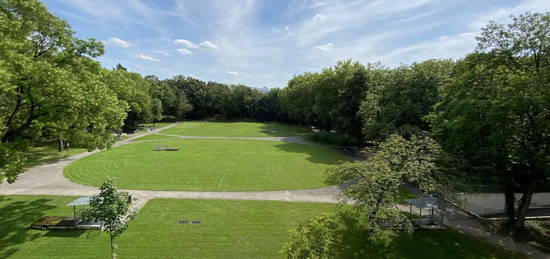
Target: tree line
<point>489,111</point>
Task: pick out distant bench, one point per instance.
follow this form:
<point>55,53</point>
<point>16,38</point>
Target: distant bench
<point>161,148</point>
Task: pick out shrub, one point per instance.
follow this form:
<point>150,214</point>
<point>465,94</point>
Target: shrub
<point>333,138</point>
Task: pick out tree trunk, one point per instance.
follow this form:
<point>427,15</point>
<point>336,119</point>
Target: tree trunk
<point>523,207</point>
<point>509,203</point>
<point>60,144</point>
<point>112,248</point>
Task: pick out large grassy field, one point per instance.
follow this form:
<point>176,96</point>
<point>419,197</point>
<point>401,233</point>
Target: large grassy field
<point>235,129</point>
<point>228,229</point>
<point>201,164</point>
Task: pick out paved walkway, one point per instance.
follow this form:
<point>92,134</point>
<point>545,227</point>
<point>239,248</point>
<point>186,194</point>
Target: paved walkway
<point>48,179</point>
<point>464,224</point>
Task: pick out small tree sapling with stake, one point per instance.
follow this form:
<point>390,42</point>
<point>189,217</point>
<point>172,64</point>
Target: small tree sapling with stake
<point>110,207</point>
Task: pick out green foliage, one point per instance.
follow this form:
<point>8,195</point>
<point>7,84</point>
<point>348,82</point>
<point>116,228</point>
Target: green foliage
<point>134,90</point>
<point>110,207</point>
<point>374,188</point>
<point>328,100</point>
<point>495,113</point>
<point>400,99</point>
<point>156,110</point>
<point>333,138</point>
<point>374,185</point>
<point>312,239</point>
<point>10,162</point>
<point>347,234</point>
<point>50,87</point>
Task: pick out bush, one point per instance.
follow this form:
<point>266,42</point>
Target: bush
<point>333,138</point>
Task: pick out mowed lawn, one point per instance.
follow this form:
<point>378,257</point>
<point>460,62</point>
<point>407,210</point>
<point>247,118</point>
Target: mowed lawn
<point>206,164</point>
<point>228,229</point>
<point>235,129</point>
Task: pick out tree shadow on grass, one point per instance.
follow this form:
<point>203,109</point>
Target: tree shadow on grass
<point>16,218</point>
<point>15,221</point>
<point>67,233</point>
<point>42,155</point>
<point>353,240</point>
<point>316,154</point>
<point>274,129</point>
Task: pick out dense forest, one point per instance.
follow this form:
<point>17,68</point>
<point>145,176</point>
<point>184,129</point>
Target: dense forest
<point>489,111</point>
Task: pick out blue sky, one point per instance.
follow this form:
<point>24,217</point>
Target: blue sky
<point>265,43</point>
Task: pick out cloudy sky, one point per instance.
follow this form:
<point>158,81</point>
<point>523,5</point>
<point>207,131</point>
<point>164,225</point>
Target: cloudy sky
<point>264,43</point>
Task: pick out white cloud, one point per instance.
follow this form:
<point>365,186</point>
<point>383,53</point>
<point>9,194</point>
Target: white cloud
<point>235,73</point>
<point>121,12</point>
<point>454,46</point>
<point>318,17</point>
<point>345,15</point>
<point>186,43</point>
<point>190,45</point>
<point>149,58</point>
<point>502,15</point>
<point>287,28</point>
<point>466,34</point>
<point>208,44</point>
<point>185,51</point>
<point>326,47</point>
<point>117,42</point>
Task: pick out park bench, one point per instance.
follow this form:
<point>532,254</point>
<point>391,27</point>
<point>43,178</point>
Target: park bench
<point>161,148</point>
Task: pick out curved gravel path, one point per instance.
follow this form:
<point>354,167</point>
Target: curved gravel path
<point>48,179</point>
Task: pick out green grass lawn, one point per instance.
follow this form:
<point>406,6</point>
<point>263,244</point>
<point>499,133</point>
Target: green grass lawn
<point>235,129</point>
<point>17,240</point>
<point>228,229</point>
<point>201,164</point>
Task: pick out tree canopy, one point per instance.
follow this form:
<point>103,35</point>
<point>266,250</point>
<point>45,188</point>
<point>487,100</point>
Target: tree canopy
<point>495,112</point>
<point>51,86</point>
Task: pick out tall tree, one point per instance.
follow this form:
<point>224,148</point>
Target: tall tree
<point>352,79</point>
<point>400,98</point>
<point>50,86</point>
<point>373,186</point>
<point>156,110</point>
<point>496,111</point>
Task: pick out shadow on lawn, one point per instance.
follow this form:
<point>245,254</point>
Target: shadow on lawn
<point>353,240</point>
<point>315,154</point>
<point>274,129</point>
<point>15,221</point>
<point>67,233</point>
